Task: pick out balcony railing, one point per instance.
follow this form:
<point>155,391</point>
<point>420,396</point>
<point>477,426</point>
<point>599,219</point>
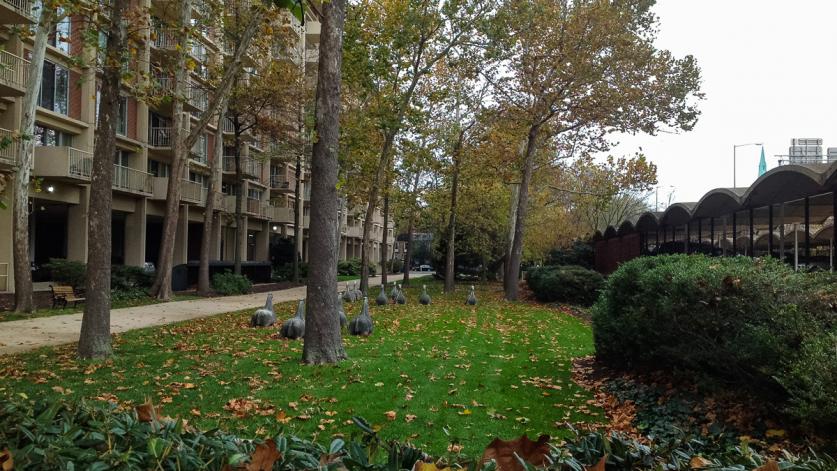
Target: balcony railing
<point>8,147</point>
<point>254,206</point>
<point>164,38</point>
<point>160,136</point>
<point>14,73</point>
<point>198,98</point>
<point>282,182</point>
<point>81,162</point>
<point>227,126</point>
<point>191,191</point>
<point>248,166</point>
<point>131,180</point>
<point>4,276</point>
<point>63,162</point>
<point>16,11</point>
<point>281,215</point>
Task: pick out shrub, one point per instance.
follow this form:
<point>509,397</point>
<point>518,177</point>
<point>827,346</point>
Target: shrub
<point>128,278</point>
<point>396,266</point>
<point>567,284</point>
<point>740,320</point>
<point>580,253</point>
<point>351,267</point>
<point>285,272</point>
<point>67,272</point>
<point>228,283</point>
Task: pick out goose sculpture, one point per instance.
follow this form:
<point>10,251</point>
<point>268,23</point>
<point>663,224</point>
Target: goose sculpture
<point>341,314</point>
<point>382,297</point>
<point>294,328</point>
<point>472,297</point>
<point>265,316</point>
<point>362,324</point>
<point>400,298</point>
<point>424,299</point>
<point>347,295</point>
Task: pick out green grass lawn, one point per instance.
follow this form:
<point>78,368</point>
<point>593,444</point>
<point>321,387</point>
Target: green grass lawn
<point>6,316</point>
<point>430,374</point>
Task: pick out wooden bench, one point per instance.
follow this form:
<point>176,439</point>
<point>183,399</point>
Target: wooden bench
<point>63,294</point>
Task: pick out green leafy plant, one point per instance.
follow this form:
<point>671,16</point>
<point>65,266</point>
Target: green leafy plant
<point>567,284</point>
<point>68,272</point>
<point>351,267</point>
<point>228,283</point>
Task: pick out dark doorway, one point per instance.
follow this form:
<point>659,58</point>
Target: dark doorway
<point>153,236</point>
<point>193,251</point>
<point>50,228</point>
<point>117,228</point>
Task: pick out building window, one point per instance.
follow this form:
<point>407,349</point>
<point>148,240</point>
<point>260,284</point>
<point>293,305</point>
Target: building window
<point>122,117</point>
<point>229,188</point>
<point>199,150</point>
<point>254,194</point>
<point>59,37</point>
<point>55,88</point>
<point>120,157</point>
<point>45,136</point>
<point>158,169</point>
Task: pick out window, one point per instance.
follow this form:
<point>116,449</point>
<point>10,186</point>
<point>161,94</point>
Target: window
<point>45,136</point>
<point>229,188</point>
<point>254,194</point>
<point>199,150</point>
<point>59,37</point>
<point>122,117</point>
<point>54,88</point>
<point>158,169</point>
<point>199,178</point>
<point>120,157</point>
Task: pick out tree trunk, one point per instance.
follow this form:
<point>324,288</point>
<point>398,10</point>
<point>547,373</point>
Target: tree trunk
<point>450,253</point>
<point>22,269</point>
<point>323,343</point>
<point>515,193</point>
<point>384,267</point>
<point>408,255</point>
<point>240,230</point>
<point>374,193</point>
<point>298,225</point>
<point>180,147</point>
<point>215,162</point>
<point>94,340</point>
<point>162,281</point>
<point>516,253</point>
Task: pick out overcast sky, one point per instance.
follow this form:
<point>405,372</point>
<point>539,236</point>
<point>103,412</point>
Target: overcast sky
<point>768,69</point>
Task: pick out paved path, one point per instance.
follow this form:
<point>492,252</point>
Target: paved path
<point>29,334</point>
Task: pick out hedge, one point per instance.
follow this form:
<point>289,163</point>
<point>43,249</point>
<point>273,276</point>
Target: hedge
<point>228,283</point>
<point>566,284</point>
<point>751,323</point>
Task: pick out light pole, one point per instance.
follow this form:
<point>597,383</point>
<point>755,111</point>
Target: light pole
<point>734,148</point>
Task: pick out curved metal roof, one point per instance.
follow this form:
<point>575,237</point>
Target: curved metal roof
<point>719,202</point>
<point>786,183</point>
<point>678,214</point>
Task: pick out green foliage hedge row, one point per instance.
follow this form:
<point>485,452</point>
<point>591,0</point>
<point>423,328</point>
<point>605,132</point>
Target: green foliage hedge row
<point>97,436</point>
<point>228,283</point>
<point>126,282</point>
<point>351,267</point>
<point>755,324</point>
<point>565,283</point>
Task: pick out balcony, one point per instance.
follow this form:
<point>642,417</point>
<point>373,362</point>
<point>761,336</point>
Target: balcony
<point>161,137</point>
<point>312,32</point>
<point>196,98</point>
<point>8,148</point>
<point>227,126</point>
<point>355,231</point>
<point>249,167</point>
<point>16,12</point>
<point>164,39</point>
<point>14,73</point>
<point>255,207</point>
<point>63,162</point>
<point>190,192</point>
<point>280,215</point>
<point>131,180</point>
<point>283,183</point>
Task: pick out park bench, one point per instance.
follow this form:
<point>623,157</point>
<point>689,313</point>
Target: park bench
<point>63,294</point>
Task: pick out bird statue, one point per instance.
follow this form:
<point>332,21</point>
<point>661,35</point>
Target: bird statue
<point>358,293</point>
<point>265,316</point>
<point>341,314</point>
<point>472,298</point>
<point>393,293</point>
<point>382,297</point>
<point>347,295</point>
<point>362,324</point>
<point>399,298</point>
<point>424,298</point>
<point>294,328</point>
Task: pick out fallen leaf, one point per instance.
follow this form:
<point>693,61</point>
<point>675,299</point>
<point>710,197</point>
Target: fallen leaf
<point>422,466</point>
<point>503,452</point>
<point>390,414</point>
<point>600,466</point>
<point>409,418</point>
<point>6,461</point>
<point>195,412</point>
<point>147,412</point>
<point>773,432</point>
<point>264,456</point>
<point>283,418</point>
<point>698,462</point>
<point>769,466</point>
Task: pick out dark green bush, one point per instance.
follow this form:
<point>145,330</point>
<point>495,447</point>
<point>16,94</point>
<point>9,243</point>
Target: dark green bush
<point>566,284</point>
<point>579,253</point>
<point>228,283</point>
<point>739,320</point>
<point>67,272</point>
<point>351,267</point>
<point>396,266</point>
<point>127,278</point>
<point>285,272</point>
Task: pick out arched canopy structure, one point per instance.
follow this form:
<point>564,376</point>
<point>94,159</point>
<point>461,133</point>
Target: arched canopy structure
<point>625,228</point>
<point>719,202</point>
<point>678,214</point>
<point>786,183</point>
<point>648,221</point>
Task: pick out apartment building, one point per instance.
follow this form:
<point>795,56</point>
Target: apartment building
<point>64,136</point>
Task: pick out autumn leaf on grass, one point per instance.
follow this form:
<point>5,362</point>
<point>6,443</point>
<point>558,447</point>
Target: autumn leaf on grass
<point>422,466</point>
<point>409,418</point>
<point>769,466</point>
<point>698,462</point>
<point>195,412</point>
<point>263,457</point>
<point>146,412</point>
<point>464,412</point>
<point>503,452</point>
<point>6,461</point>
<point>283,418</point>
<point>390,414</point>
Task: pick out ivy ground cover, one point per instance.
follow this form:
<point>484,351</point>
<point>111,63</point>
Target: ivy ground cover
<point>439,375</point>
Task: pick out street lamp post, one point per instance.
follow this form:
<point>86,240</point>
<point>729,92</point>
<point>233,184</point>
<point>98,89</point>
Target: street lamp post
<point>734,148</point>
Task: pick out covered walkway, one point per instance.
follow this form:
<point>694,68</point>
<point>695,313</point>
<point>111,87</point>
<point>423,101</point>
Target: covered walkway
<point>787,213</point>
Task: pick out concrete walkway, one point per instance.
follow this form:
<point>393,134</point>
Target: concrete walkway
<point>29,334</point>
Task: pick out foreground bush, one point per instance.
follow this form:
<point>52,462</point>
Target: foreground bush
<point>228,283</point>
<point>750,323</point>
<point>351,267</point>
<point>98,436</point>
<point>126,282</point>
<point>67,272</point>
<point>566,284</point>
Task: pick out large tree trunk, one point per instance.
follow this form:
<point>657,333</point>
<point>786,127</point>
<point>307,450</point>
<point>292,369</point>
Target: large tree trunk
<point>22,269</point>
<point>162,281</point>
<point>240,230</point>
<point>384,267</point>
<point>450,253</point>
<point>323,343</point>
<point>516,252</point>
<point>94,341</point>
<point>372,202</point>
<point>204,285</point>
<point>408,255</point>
<point>298,224</point>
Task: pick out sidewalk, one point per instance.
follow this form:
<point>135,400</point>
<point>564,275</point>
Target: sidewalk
<point>25,335</point>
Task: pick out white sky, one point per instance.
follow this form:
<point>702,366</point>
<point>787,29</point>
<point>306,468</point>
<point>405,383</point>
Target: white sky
<point>768,69</point>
